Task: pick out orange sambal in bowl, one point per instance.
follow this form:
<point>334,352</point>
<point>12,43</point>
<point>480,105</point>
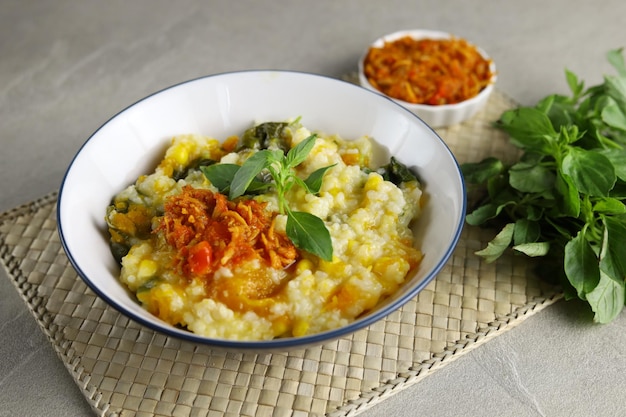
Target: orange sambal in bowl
<point>428,71</point>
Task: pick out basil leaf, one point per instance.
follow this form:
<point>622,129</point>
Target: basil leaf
<point>478,173</point>
<point>308,232</point>
<point>614,116</point>
<point>607,299</point>
<point>562,113</point>
<point>298,153</point>
<point>581,265</point>
<point>533,249</point>
<point>499,189</point>
<point>484,213</point>
<point>567,197</point>
<point>529,129</point>
<point>498,244</point>
<point>616,89</point>
<point>526,231</point>
<point>314,182</point>
<point>617,157</point>
<point>613,254</point>
<point>545,104</point>
<point>591,172</point>
<point>616,59</point>
<point>220,175</point>
<point>609,206</point>
<point>246,173</point>
<point>258,186</point>
<point>619,190</point>
<point>535,213</point>
<point>531,178</point>
<point>577,87</point>
<point>569,134</point>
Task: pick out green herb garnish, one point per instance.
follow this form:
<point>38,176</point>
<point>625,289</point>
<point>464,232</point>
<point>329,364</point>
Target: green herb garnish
<point>564,199</point>
<point>306,231</point>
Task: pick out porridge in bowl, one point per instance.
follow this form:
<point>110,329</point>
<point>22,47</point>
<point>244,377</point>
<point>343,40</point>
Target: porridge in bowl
<point>282,232</point>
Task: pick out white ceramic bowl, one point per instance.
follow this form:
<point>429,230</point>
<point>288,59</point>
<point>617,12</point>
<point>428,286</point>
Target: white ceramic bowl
<point>434,115</point>
<point>133,141</point>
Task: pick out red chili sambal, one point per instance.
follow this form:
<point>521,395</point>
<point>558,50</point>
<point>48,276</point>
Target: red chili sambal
<point>428,71</point>
<point>209,232</point>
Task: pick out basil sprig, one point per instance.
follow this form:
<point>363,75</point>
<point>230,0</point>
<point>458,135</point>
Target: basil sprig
<point>564,198</point>
<point>305,230</point>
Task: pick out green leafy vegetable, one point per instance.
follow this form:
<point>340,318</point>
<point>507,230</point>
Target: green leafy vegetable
<point>264,136</point>
<point>396,172</point>
<point>565,198</point>
<point>305,230</point>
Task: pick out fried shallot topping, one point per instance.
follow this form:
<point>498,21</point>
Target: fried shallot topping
<point>209,232</point>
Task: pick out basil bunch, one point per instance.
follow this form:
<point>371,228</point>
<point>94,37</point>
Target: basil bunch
<point>564,198</point>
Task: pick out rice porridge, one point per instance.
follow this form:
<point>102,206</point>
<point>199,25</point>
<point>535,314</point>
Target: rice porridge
<point>232,268</point>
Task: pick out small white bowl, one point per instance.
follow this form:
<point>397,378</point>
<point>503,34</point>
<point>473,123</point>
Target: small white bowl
<point>133,141</point>
<point>434,115</point>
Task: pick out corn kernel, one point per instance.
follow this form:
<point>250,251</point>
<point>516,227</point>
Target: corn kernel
<point>181,154</point>
<point>147,268</point>
<point>280,326</point>
<point>303,265</point>
<point>372,182</point>
<point>300,328</point>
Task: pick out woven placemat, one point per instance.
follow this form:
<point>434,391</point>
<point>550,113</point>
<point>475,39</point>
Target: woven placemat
<point>124,369</point>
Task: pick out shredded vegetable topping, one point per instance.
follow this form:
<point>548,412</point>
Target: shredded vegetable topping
<point>428,71</point>
<point>209,232</point>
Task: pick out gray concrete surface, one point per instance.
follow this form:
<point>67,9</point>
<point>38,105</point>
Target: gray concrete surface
<point>66,66</point>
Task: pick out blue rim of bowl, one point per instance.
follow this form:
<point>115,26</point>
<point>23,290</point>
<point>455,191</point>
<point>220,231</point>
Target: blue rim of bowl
<point>279,343</point>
